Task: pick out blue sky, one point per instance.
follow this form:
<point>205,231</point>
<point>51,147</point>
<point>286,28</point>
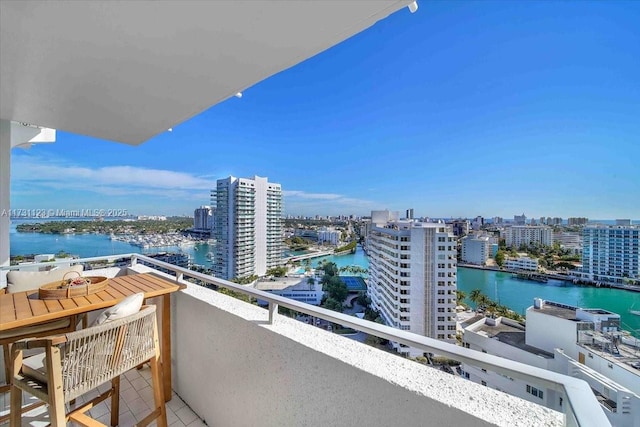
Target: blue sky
<point>461,109</point>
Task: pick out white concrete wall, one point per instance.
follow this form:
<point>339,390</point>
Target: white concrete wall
<point>5,190</point>
<point>624,376</point>
<point>233,369</point>
<point>514,386</point>
<point>548,332</point>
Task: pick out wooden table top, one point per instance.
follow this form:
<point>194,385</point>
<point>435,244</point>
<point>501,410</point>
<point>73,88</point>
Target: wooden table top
<point>24,308</point>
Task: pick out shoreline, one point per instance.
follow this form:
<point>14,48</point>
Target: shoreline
<point>557,277</point>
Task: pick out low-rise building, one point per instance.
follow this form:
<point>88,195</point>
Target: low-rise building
<point>583,343</point>
<point>569,240</point>
<point>521,263</point>
<point>299,289</point>
<point>328,235</point>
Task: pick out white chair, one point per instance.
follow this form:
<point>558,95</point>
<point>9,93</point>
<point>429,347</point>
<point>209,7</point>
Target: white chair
<point>80,361</point>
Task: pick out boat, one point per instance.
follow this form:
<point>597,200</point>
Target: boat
<point>632,311</point>
<point>531,276</point>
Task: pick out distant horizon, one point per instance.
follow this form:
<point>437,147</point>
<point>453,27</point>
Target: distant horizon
<point>134,216</point>
<point>492,106</point>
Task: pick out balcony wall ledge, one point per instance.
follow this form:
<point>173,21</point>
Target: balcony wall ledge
<point>233,368</point>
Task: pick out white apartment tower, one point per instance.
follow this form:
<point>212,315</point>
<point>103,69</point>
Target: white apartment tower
<point>476,249</point>
<point>248,226</point>
<point>519,235</point>
<point>611,253</point>
<point>412,278</point>
<point>203,218</point>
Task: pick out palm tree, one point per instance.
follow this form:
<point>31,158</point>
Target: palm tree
<point>492,307</point>
<point>460,296</point>
<point>475,297</point>
<point>502,310</point>
<point>483,302</point>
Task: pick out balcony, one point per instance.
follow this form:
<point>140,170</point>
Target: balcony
<point>256,367</point>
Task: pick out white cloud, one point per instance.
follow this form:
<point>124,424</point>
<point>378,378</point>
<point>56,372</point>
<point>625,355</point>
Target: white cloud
<point>106,180</point>
<point>33,176</point>
<point>305,203</point>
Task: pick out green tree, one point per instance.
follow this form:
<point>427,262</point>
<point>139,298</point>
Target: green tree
<point>333,304</point>
<point>246,280</point>
<point>475,296</point>
<point>484,301</point>
<point>277,271</point>
<point>329,268</point>
<point>311,281</point>
<point>363,299</point>
<point>500,258</point>
<point>460,296</point>
<point>336,288</point>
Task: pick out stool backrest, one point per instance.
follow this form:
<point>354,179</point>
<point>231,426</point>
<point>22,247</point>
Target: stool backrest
<point>93,356</point>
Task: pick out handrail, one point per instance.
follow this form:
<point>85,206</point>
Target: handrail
<point>582,408</point>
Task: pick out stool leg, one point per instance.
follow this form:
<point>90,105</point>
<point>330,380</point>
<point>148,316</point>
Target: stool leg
<point>16,407</point>
<point>158,391</point>
<point>6,352</point>
<point>115,401</point>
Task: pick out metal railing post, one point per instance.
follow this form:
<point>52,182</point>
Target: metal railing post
<point>273,308</point>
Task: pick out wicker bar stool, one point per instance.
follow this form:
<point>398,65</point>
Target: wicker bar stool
<point>81,361</point>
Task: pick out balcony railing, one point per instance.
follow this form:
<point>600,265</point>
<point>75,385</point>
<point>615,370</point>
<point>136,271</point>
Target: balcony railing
<point>581,409</point>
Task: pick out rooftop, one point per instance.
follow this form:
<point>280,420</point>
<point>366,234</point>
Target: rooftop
<point>558,310</point>
<point>508,333</point>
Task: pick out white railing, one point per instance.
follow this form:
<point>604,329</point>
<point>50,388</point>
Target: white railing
<point>582,408</point>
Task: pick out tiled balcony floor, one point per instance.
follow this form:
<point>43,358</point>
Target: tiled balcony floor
<point>136,399</point>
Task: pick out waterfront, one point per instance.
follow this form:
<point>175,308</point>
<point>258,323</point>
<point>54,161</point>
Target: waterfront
<point>500,286</point>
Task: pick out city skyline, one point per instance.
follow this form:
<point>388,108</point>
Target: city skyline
<point>527,107</point>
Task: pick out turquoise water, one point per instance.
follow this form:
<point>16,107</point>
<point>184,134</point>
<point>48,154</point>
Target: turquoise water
<point>359,258</point>
<point>516,294</point>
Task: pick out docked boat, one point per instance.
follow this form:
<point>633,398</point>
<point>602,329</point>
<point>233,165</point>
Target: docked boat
<point>531,276</point>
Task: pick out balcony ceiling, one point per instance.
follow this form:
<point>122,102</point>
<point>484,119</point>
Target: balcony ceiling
<point>126,71</point>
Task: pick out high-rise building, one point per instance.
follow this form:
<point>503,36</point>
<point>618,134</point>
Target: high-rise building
<point>577,221</point>
<point>611,253</point>
<point>412,278</point>
<point>519,235</point>
<point>520,219</point>
<point>476,249</point>
<point>460,227</point>
<point>410,213</point>
<point>203,218</point>
<point>477,223</point>
<point>248,226</point>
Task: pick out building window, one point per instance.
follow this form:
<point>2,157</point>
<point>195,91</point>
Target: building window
<point>534,391</point>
